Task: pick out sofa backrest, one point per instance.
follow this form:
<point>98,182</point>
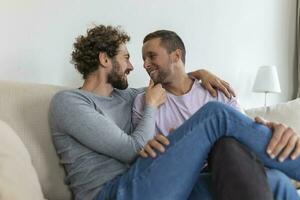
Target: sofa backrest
<point>25,107</point>
<point>287,113</point>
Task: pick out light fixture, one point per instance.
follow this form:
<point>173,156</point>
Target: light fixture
<point>267,81</point>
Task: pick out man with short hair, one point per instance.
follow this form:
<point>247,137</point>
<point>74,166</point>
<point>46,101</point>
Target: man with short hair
<point>164,60</point>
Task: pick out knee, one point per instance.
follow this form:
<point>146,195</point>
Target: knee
<point>226,144</point>
<point>226,150</point>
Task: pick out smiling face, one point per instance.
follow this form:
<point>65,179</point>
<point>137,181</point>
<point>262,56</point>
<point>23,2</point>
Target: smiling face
<point>157,61</point>
<point>121,67</point>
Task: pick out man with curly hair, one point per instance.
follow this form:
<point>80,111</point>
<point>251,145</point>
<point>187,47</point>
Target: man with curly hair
<point>93,133</point>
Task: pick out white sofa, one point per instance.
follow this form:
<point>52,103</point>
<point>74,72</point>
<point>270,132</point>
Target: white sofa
<point>29,166</point>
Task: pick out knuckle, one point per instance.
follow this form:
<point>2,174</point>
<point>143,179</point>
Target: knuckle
<point>287,135</point>
<point>290,145</point>
<point>290,130</point>
<point>298,144</point>
<point>147,147</point>
<point>282,143</point>
<point>276,137</point>
<point>281,126</point>
<point>277,126</point>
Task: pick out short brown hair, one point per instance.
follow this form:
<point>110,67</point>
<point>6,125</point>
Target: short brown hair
<point>169,40</point>
<point>85,55</point>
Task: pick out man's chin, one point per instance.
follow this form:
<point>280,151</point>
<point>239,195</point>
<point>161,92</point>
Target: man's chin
<point>121,86</point>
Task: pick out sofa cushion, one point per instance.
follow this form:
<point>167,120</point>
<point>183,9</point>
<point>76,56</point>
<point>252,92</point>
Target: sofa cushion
<point>287,113</point>
<point>25,107</point>
<point>18,178</point>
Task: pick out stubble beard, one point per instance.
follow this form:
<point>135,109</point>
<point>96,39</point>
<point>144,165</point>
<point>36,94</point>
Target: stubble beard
<point>116,77</point>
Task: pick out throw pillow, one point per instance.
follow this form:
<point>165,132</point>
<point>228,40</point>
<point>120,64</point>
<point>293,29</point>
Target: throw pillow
<point>18,178</point>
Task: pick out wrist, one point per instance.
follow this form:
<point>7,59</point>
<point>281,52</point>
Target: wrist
<point>153,105</point>
<point>198,74</point>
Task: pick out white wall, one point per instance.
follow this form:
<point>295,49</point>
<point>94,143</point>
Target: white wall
<point>232,38</point>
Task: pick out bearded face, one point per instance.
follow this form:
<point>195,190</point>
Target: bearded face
<point>117,77</point>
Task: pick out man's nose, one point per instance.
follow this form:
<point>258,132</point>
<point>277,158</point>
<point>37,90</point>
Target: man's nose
<point>130,66</point>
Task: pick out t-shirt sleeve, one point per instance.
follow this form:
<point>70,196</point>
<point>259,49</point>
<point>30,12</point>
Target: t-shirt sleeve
<point>75,114</point>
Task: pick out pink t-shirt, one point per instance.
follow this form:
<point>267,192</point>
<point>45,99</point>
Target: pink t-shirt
<point>177,109</point>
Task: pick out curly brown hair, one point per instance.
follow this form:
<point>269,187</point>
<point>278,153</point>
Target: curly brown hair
<point>85,55</point>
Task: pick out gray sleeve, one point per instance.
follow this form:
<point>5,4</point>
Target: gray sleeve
<point>74,114</point>
<point>137,110</point>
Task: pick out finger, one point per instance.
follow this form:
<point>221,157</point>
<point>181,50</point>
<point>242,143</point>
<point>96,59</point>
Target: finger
<point>288,148</point>
<point>143,153</point>
<point>228,87</point>
<point>210,89</point>
<point>265,122</point>
<point>155,145</point>
<point>276,137</point>
<point>150,151</point>
<point>296,152</point>
<point>260,120</point>
<point>151,83</point>
<point>221,87</point>
<point>162,139</point>
<point>286,135</point>
<point>171,130</point>
<point>158,85</point>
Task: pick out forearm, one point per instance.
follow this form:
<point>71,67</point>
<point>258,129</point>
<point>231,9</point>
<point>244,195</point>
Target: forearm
<point>78,119</point>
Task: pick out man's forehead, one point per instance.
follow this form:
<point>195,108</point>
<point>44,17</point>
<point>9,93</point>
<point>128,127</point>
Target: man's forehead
<point>153,43</point>
<point>123,49</point>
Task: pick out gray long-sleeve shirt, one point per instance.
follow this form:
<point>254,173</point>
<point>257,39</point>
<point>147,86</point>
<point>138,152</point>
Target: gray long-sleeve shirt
<point>93,136</point>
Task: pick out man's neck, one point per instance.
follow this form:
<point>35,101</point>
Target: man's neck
<point>97,84</point>
<point>180,85</point>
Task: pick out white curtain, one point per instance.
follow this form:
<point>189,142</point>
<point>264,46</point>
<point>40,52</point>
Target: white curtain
<point>298,46</point>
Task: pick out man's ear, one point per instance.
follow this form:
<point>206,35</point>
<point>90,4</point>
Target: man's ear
<point>104,60</point>
<point>177,55</point>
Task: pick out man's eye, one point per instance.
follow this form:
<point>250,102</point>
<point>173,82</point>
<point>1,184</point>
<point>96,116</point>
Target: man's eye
<point>152,57</point>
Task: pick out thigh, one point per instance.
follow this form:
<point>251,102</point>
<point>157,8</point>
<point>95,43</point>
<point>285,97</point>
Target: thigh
<point>170,176</point>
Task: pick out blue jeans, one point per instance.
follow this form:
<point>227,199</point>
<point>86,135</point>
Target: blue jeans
<point>173,174</point>
<point>236,173</point>
<point>279,184</point>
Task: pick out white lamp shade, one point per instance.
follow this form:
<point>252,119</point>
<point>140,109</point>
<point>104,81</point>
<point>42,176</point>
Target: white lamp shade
<point>266,80</point>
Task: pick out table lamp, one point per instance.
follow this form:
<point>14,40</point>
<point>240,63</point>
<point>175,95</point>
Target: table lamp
<point>267,81</point>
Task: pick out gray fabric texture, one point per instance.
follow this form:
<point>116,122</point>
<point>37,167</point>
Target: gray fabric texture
<point>94,138</point>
